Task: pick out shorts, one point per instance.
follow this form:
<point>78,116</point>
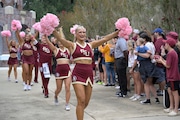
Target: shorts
<point>136,69</point>
<point>174,85</point>
<point>82,74</point>
<point>62,71</point>
<point>100,68</point>
<point>146,69</point>
<point>159,74</point>
<point>12,61</point>
<point>28,59</point>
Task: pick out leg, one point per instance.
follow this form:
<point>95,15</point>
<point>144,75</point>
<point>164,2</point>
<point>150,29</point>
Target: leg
<point>83,94</point>
<point>58,87</point>
<point>31,66</point>
<point>67,82</point>
<point>15,72</point>
<point>45,82</point>
<point>176,100</point>
<point>26,72</point>
<point>9,71</point>
<point>36,73</point>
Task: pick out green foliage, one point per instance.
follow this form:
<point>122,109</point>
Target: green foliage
<point>99,16</point>
<point>44,6</point>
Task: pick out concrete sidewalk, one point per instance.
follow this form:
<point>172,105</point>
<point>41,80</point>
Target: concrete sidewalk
<point>16,104</point>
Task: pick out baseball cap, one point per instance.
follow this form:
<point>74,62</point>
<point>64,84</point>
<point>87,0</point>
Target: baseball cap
<point>158,30</point>
<point>136,31</point>
<point>170,41</point>
<point>172,35</point>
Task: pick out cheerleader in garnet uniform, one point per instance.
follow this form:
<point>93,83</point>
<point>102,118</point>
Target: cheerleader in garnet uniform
<point>82,75</point>
<point>12,61</point>
<point>45,56</point>
<point>27,58</point>
<point>62,73</point>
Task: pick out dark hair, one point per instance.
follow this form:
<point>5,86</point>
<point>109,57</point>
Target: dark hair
<point>145,36</point>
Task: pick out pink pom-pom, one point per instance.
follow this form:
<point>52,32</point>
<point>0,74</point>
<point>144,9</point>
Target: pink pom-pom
<point>6,33</point>
<point>53,19</point>
<point>48,23</point>
<point>73,29</point>
<point>37,26</point>
<point>22,34</point>
<point>16,25</point>
<point>123,25</point>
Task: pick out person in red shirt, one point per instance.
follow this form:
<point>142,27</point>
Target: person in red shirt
<point>159,35</point>
<point>172,76</point>
<point>45,56</point>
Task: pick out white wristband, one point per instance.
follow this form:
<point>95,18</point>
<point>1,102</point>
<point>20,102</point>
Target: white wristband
<point>35,42</point>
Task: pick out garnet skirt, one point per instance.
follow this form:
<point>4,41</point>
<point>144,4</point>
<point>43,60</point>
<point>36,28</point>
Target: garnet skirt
<point>12,61</point>
<point>82,74</point>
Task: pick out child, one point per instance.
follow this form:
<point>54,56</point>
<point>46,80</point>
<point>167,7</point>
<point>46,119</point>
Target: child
<point>133,70</point>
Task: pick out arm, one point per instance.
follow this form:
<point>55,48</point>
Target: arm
<point>52,47</point>
<point>7,43</point>
<point>126,55</point>
<point>66,43</point>
<point>106,38</point>
<point>20,40</point>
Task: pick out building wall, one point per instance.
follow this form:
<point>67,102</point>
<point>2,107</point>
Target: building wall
<point>7,14</point>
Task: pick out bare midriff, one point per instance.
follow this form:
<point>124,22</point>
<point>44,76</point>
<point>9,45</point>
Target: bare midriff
<point>62,61</point>
<point>13,55</point>
<point>27,52</point>
<point>83,61</point>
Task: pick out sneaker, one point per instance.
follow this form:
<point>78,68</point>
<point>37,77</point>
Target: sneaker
<point>99,83</point>
<point>56,102</point>
<point>9,79</point>
<point>168,110</point>
<point>67,108</point>
<point>160,93</point>
<point>122,95</point>
<point>136,98</point>
<point>157,100</point>
<point>172,113</point>
<point>25,87</point>
<point>117,93</point>
<point>117,87</point>
<point>29,87</point>
<point>143,94</point>
<point>112,84</point>
<point>147,101</point>
<point>107,85</point>
<point>16,81</point>
<point>32,83</point>
<point>132,97</point>
<point>46,96</point>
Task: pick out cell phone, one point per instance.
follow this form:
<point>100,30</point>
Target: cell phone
<point>156,56</point>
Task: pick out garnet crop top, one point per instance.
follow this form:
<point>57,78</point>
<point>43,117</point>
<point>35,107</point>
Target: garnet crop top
<point>82,52</point>
<point>62,54</point>
<point>27,46</point>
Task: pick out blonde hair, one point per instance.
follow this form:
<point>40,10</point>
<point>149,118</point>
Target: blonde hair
<point>141,41</point>
<point>131,45</point>
<point>78,28</point>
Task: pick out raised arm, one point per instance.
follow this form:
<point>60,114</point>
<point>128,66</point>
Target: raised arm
<point>7,43</point>
<point>106,38</point>
<point>52,47</point>
<point>60,37</point>
<point>20,40</point>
